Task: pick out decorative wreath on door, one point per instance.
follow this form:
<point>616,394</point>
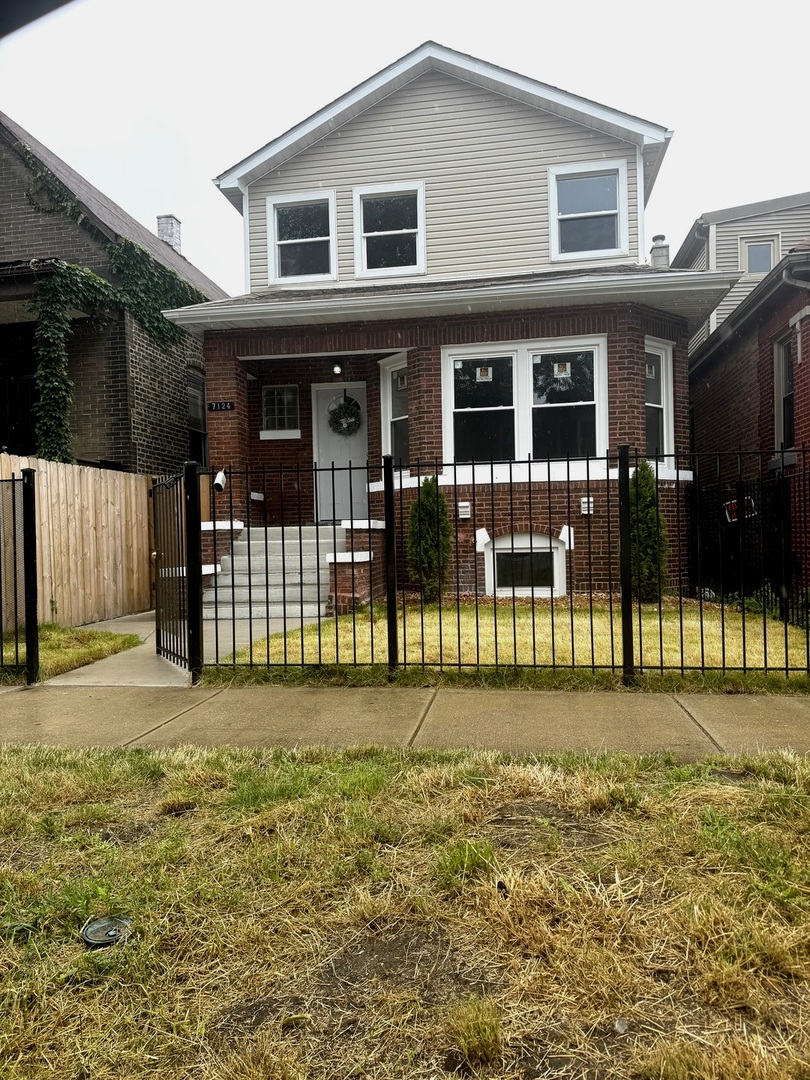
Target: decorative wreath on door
<point>344,415</point>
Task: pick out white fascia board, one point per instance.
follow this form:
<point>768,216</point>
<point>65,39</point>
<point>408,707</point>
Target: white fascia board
<point>435,57</point>
<point>707,288</point>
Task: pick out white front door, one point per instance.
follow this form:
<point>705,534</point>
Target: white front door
<point>340,440</point>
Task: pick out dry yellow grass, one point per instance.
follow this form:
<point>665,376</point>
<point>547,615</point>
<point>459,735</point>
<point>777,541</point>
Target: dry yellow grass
<point>404,916</point>
<point>564,634</point>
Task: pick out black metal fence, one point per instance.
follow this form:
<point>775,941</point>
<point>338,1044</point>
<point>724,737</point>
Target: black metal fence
<point>19,629</point>
<point>700,566</point>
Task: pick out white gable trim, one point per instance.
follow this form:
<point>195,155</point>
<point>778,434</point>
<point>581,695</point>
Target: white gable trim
<point>433,57</point>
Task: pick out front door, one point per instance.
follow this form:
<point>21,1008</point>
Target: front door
<point>340,426</point>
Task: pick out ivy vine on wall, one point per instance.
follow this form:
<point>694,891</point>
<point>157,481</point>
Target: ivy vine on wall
<point>142,286</point>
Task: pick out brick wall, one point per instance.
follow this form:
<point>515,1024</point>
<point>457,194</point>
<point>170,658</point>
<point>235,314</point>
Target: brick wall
<point>234,436</point>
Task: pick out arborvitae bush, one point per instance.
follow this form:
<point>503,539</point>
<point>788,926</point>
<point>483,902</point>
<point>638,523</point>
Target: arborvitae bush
<point>648,535</point>
<point>429,539</point>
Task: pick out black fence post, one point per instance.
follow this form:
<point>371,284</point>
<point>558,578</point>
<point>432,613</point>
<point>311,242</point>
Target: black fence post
<point>390,564</point>
<point>191,489</point>
<point>29,511</point>
<point>626,567</point>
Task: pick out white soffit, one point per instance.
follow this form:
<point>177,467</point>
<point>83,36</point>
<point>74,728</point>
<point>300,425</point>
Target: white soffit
<point>652,138</point>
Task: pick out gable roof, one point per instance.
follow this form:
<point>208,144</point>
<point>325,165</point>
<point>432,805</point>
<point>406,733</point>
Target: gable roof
<point>108,215</point>
<point>694,238</point>
<point>651,138</point>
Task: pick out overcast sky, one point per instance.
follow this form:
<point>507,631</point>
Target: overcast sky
<point>150,99</point>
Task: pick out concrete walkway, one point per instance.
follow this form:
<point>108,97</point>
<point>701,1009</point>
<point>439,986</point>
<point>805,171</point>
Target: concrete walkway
<point>138,699</point>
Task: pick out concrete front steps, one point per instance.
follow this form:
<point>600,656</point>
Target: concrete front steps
<point>275,573</point>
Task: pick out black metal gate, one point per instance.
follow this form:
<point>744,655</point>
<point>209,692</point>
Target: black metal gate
<point>178,611</point>
<point>19,630</point>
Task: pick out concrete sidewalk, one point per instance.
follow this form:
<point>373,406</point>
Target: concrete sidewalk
<point>690,725</point>
<point>138,699</point>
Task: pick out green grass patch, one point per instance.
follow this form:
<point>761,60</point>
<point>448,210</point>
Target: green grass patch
<point>63,649</point>
<point>404,914</point>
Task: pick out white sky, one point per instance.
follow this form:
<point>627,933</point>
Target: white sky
<point>150,99</point>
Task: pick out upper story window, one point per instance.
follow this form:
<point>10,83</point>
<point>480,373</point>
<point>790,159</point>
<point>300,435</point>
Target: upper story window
<point>301,237</point>
<point>389,230</point>
<point>783,394</point>
<point>758,255</point>
<point>588,210</point>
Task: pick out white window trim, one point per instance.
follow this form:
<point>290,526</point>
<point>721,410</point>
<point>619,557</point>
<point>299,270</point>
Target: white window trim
<point>521,353</point>
<point>416,187</point>
<point>779,390</point>
<point>273,276</point>
<point>556,172</point>
<point>663,350</point>
<point>388,365</point>
<point>272,433</point>
<point>745,241</point>
<point>525,542</point>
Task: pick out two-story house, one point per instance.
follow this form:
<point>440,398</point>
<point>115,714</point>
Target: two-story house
<point>448,264</point>
<point>750,239</point>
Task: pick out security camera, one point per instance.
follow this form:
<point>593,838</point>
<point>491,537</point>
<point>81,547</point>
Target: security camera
<point>220,481</point>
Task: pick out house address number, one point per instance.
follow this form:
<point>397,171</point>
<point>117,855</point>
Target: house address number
<point>220,406</point>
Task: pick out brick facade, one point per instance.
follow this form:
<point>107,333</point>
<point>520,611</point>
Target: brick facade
<point>130,408</point>
<point>234,375</point>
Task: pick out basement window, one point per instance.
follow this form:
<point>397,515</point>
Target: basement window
<point>525,564</point>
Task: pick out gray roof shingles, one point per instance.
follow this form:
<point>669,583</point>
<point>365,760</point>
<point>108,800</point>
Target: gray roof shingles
<point>110,215</point>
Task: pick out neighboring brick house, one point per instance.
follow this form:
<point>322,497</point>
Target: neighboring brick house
<point>751,239</point>
<point>461,250</point>
<point>137,405</point>
<point>750,381</point>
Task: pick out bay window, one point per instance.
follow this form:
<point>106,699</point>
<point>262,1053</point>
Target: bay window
<point>658,399</point>
<point>539,399</point>
<point>394,408</point>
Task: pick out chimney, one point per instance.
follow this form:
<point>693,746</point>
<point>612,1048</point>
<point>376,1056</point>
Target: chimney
<point>169,230</point>
<point>659,253</point>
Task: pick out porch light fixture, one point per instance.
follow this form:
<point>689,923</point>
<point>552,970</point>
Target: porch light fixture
<point>337,368</point>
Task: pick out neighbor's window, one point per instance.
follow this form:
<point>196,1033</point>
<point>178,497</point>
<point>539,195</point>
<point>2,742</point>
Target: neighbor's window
<point>483,408</point>
<point>785,430</point>
<point>389,230</point>
<point>758,255</point>
<point>563,405</point>
<point>588,208</point>
<point>301,237</point>
<point>280,413</point>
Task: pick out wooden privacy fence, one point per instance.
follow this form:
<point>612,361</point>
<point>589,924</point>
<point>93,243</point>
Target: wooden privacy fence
<point>93,540</point>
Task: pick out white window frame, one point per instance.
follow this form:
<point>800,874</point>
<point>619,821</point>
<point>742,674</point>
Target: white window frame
<point>521,353</point>
<point>273,276</point>
<point>388,365</point>
<point>274,433</point>
<point>592,168</point>
<point>518,542</point>
<point>779,346</point>
<point>752,241</point>
<point>663,350</point>
<point>410,187</point>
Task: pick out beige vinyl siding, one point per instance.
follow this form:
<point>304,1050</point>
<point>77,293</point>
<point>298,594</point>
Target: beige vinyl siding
<point>700,262</point>
<point>484,160</point>
<point>788,226</point>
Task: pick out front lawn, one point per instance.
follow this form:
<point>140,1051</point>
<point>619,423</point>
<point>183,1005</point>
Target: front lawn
<point>563,635</point>
<point>389,914</point>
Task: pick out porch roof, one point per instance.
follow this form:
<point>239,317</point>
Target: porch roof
<point>689,294</point>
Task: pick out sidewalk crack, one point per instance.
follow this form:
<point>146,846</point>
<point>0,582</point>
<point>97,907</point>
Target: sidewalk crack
<point>171,719</point>
<point>698,724</point>
<point>422,718</point>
